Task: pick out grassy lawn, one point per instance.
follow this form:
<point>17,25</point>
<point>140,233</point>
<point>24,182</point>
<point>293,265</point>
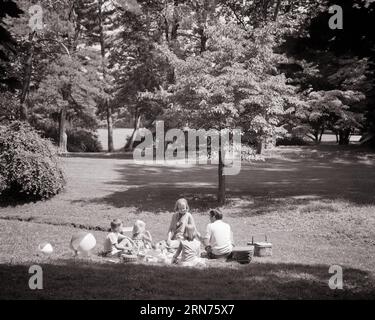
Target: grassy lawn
<point>317,206</point>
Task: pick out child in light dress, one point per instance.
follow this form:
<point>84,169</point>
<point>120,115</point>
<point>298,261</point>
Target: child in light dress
<point>189,249</point>
<point>141,237</point>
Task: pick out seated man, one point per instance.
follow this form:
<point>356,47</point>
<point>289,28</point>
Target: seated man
<point>219,237</point>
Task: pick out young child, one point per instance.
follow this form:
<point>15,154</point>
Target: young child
<point>141,237</point>
<point>190,249</point>
<point>115,243</point>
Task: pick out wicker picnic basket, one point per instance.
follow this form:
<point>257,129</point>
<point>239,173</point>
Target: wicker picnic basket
<point>129,258</point>
<point>262,249</point>
<point>243,255</point>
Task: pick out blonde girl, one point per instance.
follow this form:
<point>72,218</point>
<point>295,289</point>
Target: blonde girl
<point>189,248</point>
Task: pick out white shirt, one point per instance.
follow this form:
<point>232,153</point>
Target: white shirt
<point>110,241</point>
<point>219,235</point>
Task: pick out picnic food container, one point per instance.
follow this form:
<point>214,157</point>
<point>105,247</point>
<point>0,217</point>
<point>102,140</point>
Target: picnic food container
<point>243,255</point>
<point>141,256</point>
<point>262,249</point>
<point>151,259</point>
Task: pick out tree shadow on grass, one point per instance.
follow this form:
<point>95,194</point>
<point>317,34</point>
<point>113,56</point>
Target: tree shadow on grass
<point>156,188</point>
<point>311,175</point>
<point>13,199</point>
<point>77,279</point>
<point>99,155</point>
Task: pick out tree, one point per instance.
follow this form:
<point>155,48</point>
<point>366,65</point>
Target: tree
<point>139,69</point>
<point>339,62</point>
<point>7,42</point>
<point>68,91</point>
<point>233,84</point>
<point>37,47</point>
<point>8,80</point>
<point>329,110</point>
<point>101,22</point>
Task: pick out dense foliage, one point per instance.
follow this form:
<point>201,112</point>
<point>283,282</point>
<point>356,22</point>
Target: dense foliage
<point>79,139</point>
<point>29,166</point>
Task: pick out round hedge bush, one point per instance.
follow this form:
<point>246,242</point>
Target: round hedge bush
<point>79,140</point>
<point>29,165</point>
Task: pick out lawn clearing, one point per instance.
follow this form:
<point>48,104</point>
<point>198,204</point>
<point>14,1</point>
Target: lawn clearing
<point>317,206</point>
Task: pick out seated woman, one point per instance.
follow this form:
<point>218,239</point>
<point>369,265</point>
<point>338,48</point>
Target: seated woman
<point>180,219</point>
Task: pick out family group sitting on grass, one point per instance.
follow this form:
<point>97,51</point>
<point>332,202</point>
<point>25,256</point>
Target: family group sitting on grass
<point>183,239</point>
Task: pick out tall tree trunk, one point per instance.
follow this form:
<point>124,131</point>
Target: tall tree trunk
<point>321,134</point>
<point>316,134</point>
<point>111,147</point>
<point>166,29</point>
<point>344,137</point>
<point>260,145</point>
<point>174,30</point>
<point>265,6</point>
<point>137,122</point>
<point>62,131</point>
<point>26,80</point>
<point>108,108</point>
<point>277,9</point>
<point>337,137</point>
<point>221,195</point>
<point>171,37</point>
<point>203,42</point>
<point>175,24</point>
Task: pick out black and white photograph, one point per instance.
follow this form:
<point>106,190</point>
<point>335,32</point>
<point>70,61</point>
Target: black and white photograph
<point>187,150</point>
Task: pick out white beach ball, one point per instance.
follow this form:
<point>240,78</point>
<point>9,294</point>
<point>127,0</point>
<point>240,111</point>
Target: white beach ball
<point>83,242</point>
<point>46,248</point>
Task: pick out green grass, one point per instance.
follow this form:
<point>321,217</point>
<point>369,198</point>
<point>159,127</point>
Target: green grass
<point>69,279</point>
<point>315,204</point>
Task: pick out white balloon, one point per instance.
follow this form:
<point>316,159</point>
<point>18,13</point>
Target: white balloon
<point>83,242</point>
<point>46,248</point>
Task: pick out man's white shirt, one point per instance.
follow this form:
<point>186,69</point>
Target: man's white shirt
<point>220,238</point>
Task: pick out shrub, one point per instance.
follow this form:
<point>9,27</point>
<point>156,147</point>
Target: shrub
<point>79,140</point>
<point>292,141</point>
<point>29,165</point>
